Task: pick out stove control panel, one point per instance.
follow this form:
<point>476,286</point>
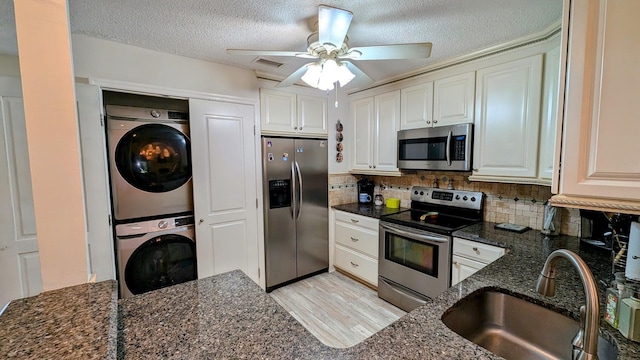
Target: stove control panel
<point>457,198</point>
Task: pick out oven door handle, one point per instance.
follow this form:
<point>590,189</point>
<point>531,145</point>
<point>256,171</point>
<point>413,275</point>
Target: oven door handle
<point>415,236</point>
<point>448,146</point>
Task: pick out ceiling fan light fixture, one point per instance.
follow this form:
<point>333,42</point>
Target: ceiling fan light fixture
<point>324,74</point>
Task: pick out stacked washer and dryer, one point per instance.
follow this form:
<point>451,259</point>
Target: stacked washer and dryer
<point>150,169</point>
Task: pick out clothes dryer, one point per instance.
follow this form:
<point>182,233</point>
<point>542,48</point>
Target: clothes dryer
<point>149,162</point>
<point>155,254</point>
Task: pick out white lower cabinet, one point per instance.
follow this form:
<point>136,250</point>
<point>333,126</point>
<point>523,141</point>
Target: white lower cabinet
<point>356,246</point>
<point>470,256</point>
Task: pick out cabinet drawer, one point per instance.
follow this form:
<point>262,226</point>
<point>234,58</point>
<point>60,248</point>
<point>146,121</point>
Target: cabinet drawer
<point>357,264</point>
<point>358,220</point>
<point>357,238</point>
<point>476,251</point>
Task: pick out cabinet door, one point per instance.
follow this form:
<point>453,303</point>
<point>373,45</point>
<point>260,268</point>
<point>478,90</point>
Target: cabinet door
<point>387,122</point>
<point>417,106</point>
<point>453,100</point>
<point>508,118</point>
<point>225,205</point>
<point>312,115</point>
<point>278,112</point>
<point>362,115</point>
<point>601,151</point>
<point>549,116</point>
<point>462,268</point>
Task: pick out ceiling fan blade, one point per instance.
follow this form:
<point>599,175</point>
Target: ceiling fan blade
<point>265,52</point>
<point>295,76</point>
<point>333,24</point>
<point>361,78</point>
<point>390,52</point>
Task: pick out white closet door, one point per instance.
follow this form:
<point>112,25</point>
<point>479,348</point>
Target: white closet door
<point>19,259</point>
<point>95,181</point>
<point>224,187</point>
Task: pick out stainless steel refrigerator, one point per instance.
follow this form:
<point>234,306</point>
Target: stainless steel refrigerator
<point>296,223</point>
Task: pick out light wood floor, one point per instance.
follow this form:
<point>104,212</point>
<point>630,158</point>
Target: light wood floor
<point>339,311</point>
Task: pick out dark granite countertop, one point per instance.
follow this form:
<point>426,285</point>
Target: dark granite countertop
<point>229,316</point>
<point>369,210</point>
<point>78,322</point>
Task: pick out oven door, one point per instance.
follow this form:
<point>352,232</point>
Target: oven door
<point>414,259</point>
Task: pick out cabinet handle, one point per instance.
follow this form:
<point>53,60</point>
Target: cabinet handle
<point>435,121</point>
<point>300,127</point>
<point>354,220</point>
<point>475,170</point>
<point>354,239</point>
<point>455,263</point>
<point>200,221</point>
<point>295,128</point>
<point>428,121</point>
<point>3,248</point>
<point>369,166</point>
<point>374,166</point>
<point>475,249</point>
<point>353,264</point>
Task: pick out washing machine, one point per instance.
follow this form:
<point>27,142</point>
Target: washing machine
<point>149,162</point>
<point>155,254</point>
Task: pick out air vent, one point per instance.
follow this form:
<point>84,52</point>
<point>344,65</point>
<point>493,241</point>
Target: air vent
<point>266,62</point>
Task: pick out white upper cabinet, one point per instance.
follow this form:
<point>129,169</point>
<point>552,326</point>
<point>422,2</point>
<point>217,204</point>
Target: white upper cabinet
<point>453,99</point>
<point>600,149</point>
<point>283,113</point>
<point>508,121</point>
<point>445,101</point>
<point>376,121</point>
<point>549,114</point>
<point>417,106</point>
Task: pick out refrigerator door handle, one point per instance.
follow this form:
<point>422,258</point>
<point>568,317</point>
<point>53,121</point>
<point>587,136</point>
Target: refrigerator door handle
<point>299,191</point>
<point>293,192</point>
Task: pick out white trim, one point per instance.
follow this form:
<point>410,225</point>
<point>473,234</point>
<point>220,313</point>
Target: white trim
<point>511,180</point>
<point>144,89</point>
<point>599,204</point>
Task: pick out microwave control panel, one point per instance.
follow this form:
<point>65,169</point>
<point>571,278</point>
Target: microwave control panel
<point>458,144</point>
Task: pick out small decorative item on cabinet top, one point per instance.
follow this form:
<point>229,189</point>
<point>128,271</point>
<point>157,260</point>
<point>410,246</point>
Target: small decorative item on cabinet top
<point>339,137</point>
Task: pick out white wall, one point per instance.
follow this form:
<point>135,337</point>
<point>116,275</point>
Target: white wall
<point>102,59</point>
<point>9,66</point>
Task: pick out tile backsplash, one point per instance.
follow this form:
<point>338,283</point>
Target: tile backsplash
<point>513,203</point>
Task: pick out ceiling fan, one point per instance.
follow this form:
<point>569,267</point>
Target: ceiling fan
<point>332,56</point>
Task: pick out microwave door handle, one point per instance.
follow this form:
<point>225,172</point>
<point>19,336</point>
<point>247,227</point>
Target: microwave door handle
<point>448,146</point>
<point>415,236</point>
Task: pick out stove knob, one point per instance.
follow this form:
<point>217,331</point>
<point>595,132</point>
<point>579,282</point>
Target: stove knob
<point>457,197</point>
<point>416,192</point>
<point>473,198</point>
<point>464,198</point>
<point>421,192</point>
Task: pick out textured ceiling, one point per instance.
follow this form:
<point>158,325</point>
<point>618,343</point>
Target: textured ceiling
<point>204,29</point>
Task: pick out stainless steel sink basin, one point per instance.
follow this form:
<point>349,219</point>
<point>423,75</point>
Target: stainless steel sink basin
<point>517,329</point>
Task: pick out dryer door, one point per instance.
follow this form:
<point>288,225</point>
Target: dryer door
<point>154,158</point>
<point>160,262</point>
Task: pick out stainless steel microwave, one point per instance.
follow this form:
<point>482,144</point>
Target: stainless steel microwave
<point>439,148</point>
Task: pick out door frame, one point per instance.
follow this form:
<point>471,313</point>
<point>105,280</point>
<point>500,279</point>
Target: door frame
<point>152,90</point>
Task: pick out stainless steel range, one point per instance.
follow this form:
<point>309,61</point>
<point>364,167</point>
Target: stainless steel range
<point>414,262</point>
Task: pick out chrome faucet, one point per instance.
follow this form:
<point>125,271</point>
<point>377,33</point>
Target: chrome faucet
<point>585,343</point>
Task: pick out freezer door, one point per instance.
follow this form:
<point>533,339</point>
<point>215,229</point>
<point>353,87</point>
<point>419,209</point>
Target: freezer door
<point>280,232</point>
<point>312,209</point>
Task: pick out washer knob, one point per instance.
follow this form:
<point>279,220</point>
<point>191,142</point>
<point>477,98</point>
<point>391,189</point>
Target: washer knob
<point>155,113</point>
<point>163,224</point>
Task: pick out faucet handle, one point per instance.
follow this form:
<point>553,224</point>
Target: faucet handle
<point>578,339</point>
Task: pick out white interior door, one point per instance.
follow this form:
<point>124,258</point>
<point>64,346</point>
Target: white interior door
<point>19,259</point>
<point>95,179</point>
<point>224,187</point>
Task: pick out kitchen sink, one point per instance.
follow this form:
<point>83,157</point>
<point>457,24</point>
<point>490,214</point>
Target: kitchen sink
<point>515,328</point>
